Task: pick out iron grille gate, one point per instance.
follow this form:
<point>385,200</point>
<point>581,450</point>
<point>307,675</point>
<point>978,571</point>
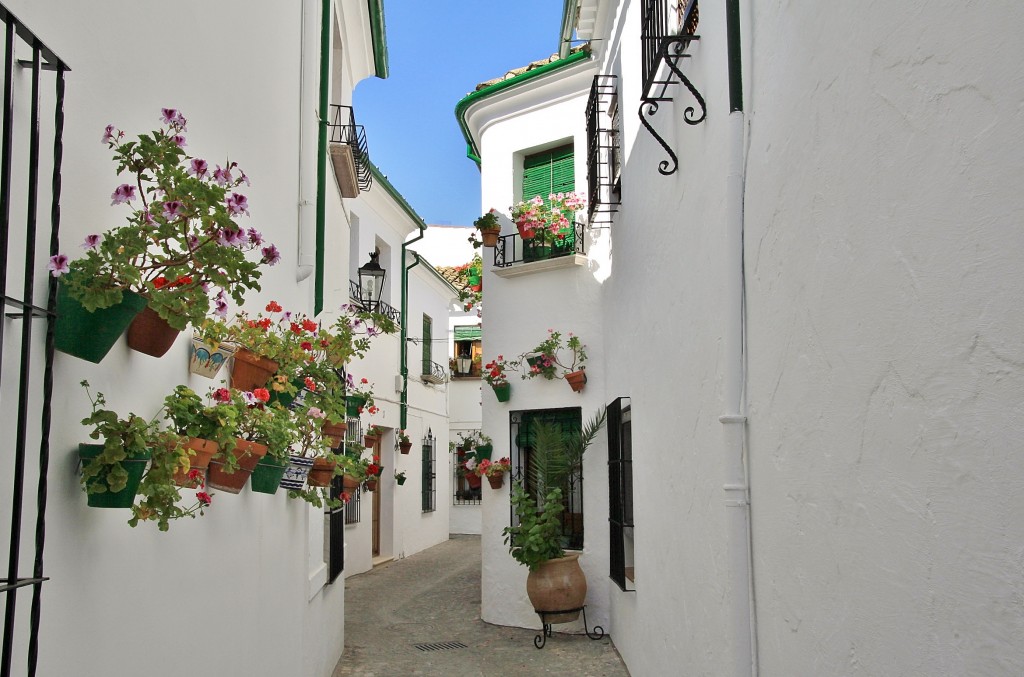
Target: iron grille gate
<point>428,497</point>
<point>22,309</point>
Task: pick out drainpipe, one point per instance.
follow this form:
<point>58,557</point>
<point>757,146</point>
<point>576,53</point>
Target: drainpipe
<point>734,419</point>
<point>321,155</point>
<point>403,414</point>
<point>307,185</point>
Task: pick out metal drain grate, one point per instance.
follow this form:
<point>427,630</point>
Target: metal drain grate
<point>440,646</point>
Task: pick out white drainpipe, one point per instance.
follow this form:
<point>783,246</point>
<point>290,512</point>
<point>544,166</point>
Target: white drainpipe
<point>309,83</point>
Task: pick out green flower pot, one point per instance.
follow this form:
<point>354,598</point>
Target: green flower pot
<point>266,478</point>
<point>353,404</point>
<point>503,392</point>
<point>90,336</point>
<point>134,464</point>
<point>483,451</point>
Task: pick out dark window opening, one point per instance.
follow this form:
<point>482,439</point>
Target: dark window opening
<point>620,493</point>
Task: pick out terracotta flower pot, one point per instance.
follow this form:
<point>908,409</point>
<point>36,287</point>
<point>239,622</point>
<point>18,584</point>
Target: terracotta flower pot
<point>371,483</point>
<point>558,585</point>
<point>249,370</point>
<point>349,482</point>
<point>370,440</point>
<point>496,481</point>
<point>473,479</point>
<point>150,334</point>
<point>321,473</point>
<point>200,460</point>
<point>248,455</point>
<point>576,380</point>
<point>490,236</point>
<point>335,433</point>
<point>404,447</point>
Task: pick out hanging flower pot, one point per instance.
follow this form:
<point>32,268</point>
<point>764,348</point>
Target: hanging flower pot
<point>576,380</point>
<point>205,360</point>
<point>321,473</point>
<point>91,335</point>
<point>200,460</point>
<point>335,433</point>
<point>150,334</point>
<point>503,392</point>
<point>353,403</point>
<point>135,465</point>
<point>400,480</point>
<point>269,472</point>
<point>370,440</point>
<point>370,484</point>
<point>249,370</point>
<point>248,454</point>
<point>496,481</point>
<point>405,447</point>
<point>483,451</point>
<point>490,236</point>
<point>350,482</point>
<point>473,480</point>
<point>295,474</point>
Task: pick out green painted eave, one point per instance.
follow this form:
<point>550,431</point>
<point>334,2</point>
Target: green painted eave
<point>382,180</point>
<point>568,24</point>
<point>472,151</point>
<point>378,34</point>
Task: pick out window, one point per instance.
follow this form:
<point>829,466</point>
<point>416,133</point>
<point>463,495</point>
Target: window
<point>620,493</point>
<point>428,337</point>
<point>336,521</point>
<point>468,351</point>
<point>354,435</point>
<point>467,486</point>
<point>429,488</point>
<point>569,421</point>
<point>551,171</point>
<point>603,157</point>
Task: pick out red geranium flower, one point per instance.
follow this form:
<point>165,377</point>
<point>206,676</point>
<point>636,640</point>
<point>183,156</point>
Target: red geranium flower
<point>274,307</point>
<point>306,345</point>
<point>311,384</point>
<point>296,329</point>
<point>203,498</point>
<point>222,394</point>
<point>309,325</point>
<point>261,394</point>
<point>264,324</point>
<point>160,282</point>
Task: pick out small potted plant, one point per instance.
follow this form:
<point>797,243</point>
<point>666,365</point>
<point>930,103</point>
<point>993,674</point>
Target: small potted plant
<point>489,227</point>
<point>484,446</point>
<point>159,493</point>
<point>400,478</point>
<point>469,472</point>
<point>404,443</point>
<point>373,471</point>
<point>494,471</point>
<point>546,360</point>
<point>256,427</point>
<point>279,431</point>
<point>546,225</point>
<point>204,428</point>
<point>360,397</point>
<point>372,435</point>
<point>494,374</point>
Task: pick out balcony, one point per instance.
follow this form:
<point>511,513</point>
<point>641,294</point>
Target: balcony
<point>433,372</point>
<point>514,256</point>
<point>348,152</point>
<point>384,309</point>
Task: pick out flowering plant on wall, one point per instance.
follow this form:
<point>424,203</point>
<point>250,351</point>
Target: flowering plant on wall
<point>547,358</point>
<point>550,221</point>
<point>184,248</point>
<point>494,371</point>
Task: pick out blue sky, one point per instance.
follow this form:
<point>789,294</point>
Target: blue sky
<point>438,52</point>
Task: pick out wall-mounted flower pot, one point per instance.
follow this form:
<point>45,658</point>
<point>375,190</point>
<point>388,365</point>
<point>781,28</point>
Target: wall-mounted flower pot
<point>90,336</point>
<point>473,480</point>
<point>490,236</point>
<point>503,392</point>
<point>483,451</point>
<point>350,482</point>
<point>370,484</point>
<point>353,404</point>
<point>205,360</point>
<point>335,433</point>
<point>321,473</point>
<point>249,370</point>
<point>202,451</point>
<point>267,475</point>
<point>296,473</point>
<point>248,455</point>
<point>370,440</point>
<point>576,380</point>
<point>135,465</point>
<point>404,447</point>
<point>496,481</point>
<point>150,334</point>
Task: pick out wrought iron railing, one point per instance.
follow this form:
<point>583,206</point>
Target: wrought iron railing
<point>24,122</point>
<point>343,129</point>
<point>603,151</point>
<point>434,372</point>
<point>428,489</point>
<point>512,249</point>
<point>665,35</point>
<point>384,308</point>
<point>620,491</point>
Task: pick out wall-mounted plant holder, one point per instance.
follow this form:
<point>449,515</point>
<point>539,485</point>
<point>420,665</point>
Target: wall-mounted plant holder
<point>206,360</point>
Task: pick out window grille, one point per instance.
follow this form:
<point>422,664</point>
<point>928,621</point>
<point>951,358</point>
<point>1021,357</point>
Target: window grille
<point>569,420</point>
<point>603,150</point>
<point>429,475</point>
<point>336,521</point>
<point>620,492</point>
<point>464,494</point>
<point>29,122</point>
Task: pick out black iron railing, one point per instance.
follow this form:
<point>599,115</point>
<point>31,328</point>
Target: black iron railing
<point>336,521</point>
<point>343,129</point>
<point>24,122</point>
<point>603,151</point>
<point>434,372</point>
<point>428,489</point>
<point>512,249</point>
<point>384,308</point>
<point>665,34</point>
<point>620,492</point>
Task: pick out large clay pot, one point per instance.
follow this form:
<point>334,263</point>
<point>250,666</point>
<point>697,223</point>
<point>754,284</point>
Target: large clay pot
<point>248,455</point>
<point>249,370</point>
<point>150,334</point>
<point>558,585</point>
<point>200,460</point>
<point>490,236</point>
<point>335,433</point>
<point>321,473</point>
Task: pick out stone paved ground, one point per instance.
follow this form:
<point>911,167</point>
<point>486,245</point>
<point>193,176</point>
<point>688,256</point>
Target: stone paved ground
<point>434,596</point>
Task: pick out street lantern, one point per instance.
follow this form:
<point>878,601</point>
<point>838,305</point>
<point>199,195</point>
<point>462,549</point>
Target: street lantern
<point>371,283</point>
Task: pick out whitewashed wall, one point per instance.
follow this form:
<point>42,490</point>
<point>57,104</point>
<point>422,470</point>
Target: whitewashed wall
<point>250,573</point>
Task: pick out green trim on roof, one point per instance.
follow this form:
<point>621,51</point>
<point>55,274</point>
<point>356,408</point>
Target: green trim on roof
<point>472,152</point>
<point>406,207</point>
<point>378,34</point>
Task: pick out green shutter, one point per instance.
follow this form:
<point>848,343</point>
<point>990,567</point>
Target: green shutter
<point>549,172</point>
<point>468,333</point>
<point>569,420</point>
<point>427,338</point>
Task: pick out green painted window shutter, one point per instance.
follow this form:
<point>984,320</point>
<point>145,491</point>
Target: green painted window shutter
<point>549,172</point>
<point>428,336</point>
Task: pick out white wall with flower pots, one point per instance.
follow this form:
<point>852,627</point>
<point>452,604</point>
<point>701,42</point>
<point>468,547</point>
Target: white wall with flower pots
<point>242,589</point>
<point>882,371</point>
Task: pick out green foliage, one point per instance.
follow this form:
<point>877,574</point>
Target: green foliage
<point>160,497</point>
<point>537,537</point>
<point>122,439</point>
<point>547,358</point>
<point>191,417</point>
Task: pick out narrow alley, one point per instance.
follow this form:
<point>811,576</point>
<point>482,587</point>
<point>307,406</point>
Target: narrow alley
<point>433,598</point>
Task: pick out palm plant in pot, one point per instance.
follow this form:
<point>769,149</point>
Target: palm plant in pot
<point>555,585</point>
<point>181,253</point>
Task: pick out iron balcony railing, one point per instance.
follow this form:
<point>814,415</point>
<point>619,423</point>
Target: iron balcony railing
<point>344,130</point>
<point>603,154</point>
<point>385,309</point>
<point>434,372</point>
<point>512,249</point>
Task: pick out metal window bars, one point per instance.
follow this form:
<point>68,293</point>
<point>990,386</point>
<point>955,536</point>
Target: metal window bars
<point>428,489</point>
<point>336,521</point>
<point>349,152</point>
<point>385,309</point>
<point>512,249</point>
<point>620,492</point>
<point>23,118</point>
<point>603,151</point>
<point>665,35</point>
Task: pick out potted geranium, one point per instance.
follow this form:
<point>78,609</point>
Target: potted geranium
<point>372,435</point>
<point>204,428</point>
<point>547,361</point>
<point>489,227</point>
<point>494,374</point>
<point>256,427</point>
<point>181,253</point>
<point>469,472</point>
<point>404,443</point>
<point>400,478</point>
<point>373,471</point>
<point>494,471</point>
<point>546,224</point>
<point>359,397</point>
